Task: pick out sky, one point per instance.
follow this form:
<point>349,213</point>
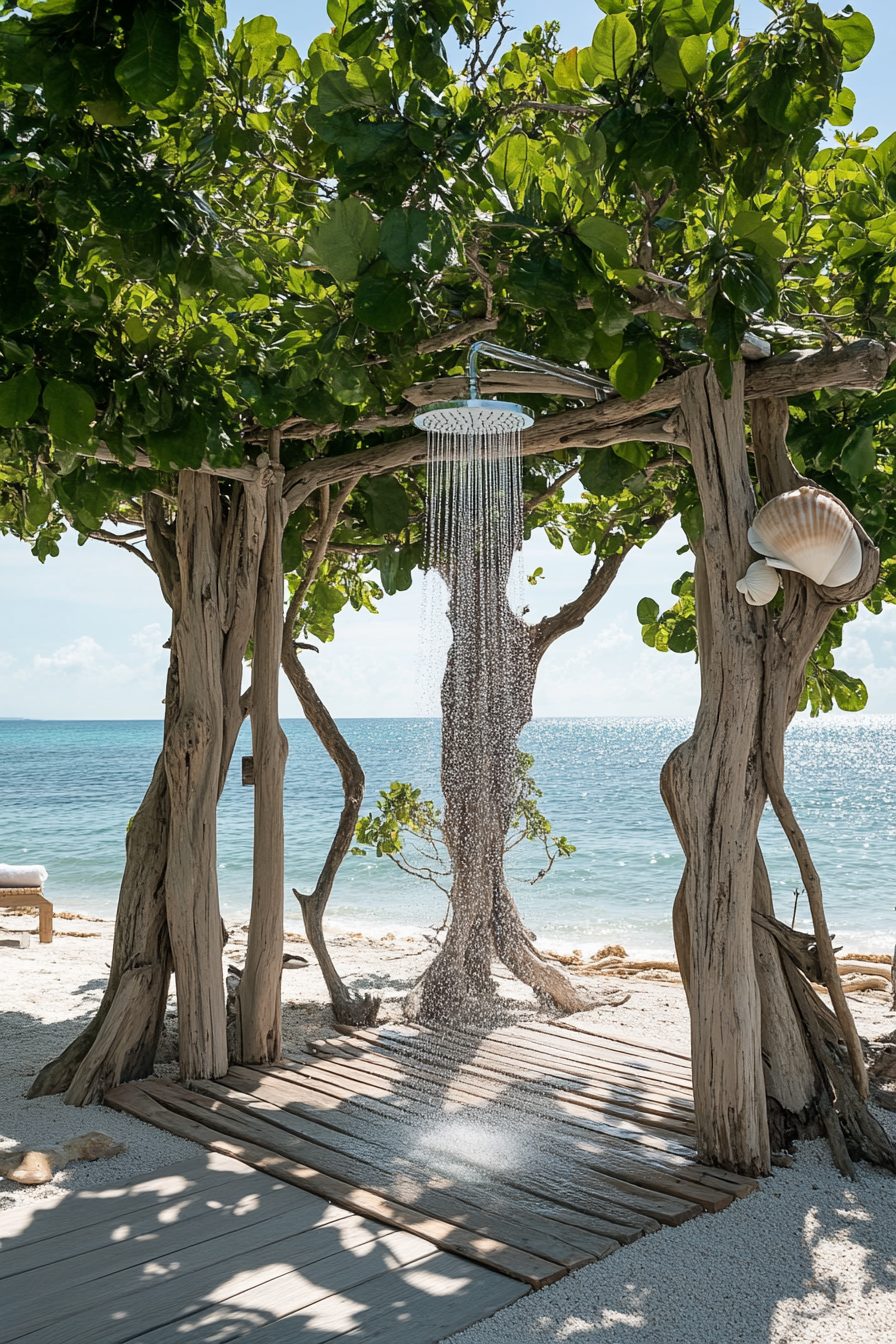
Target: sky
<point>81,636</point>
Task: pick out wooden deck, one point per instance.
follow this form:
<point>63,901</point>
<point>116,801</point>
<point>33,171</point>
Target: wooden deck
<point>532,1150</point>
<point>212,1250</point>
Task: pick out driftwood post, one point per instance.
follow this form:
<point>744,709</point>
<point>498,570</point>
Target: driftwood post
<point>104,1055</point>
<point>767,1053</point>
<point>258,995</point>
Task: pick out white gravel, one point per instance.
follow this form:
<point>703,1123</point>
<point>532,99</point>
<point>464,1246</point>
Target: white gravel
<point>809,1259</point>
<point>48,993</point>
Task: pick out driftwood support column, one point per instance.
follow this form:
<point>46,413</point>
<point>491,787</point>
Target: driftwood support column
<point>746,974</point>
<point>712,787</point>
<point>193,755</point>
<point>257,1004</point>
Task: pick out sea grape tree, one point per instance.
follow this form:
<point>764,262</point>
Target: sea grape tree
<point>324,233</point>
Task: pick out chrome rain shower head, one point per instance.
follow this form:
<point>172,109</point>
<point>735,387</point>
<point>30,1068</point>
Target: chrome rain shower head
<point>473,416</point>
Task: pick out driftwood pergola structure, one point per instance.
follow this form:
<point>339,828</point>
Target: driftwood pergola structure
<point>222,574</point>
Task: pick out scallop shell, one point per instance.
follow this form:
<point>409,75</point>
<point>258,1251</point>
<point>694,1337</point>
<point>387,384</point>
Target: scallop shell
<point>809,532</point>
<point>759,584</point>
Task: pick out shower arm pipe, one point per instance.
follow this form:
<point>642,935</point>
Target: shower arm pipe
<point>598,387</point>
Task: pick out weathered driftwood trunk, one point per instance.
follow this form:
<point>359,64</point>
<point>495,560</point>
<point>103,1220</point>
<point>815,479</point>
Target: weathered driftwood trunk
<point>349,1008</point>
<point>193,754</point>
<point>764,1048</point>
<point>258,996</point>
<point>479,768</point>
<point>120,1042</point>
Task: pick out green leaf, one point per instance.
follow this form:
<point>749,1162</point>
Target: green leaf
<point>18,398</point>
<point>61,84</point>
<point>346,240</point>
<point>683,636</point>
<point>603,473</point>
<point>385,505</point>
<point>401,233</point>
<point>681,62</point>
<point>613,46</point>
<point>604,237</point>
<point>637,368</point>
<point>540,282</point>
<point>383,302</point>
<point>394,570</point>
<point>150,68</point>
<point>763,233</point>
<point>647,610</point>
<point>745,288</point>
<point>182,444</point>
<point>636,453</point>
<point>71,411</point>
<point>859,457</point>
<point>855,34</point>
<point>849,692</point>
<point>515,162</point>
<point>842,108</point>
<point>231,278</point>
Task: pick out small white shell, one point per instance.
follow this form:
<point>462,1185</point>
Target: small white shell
<point>809,532</point>
<point>759,584</point>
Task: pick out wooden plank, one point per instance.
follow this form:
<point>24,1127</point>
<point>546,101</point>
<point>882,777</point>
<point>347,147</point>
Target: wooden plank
<point>311,1225</point>
<point>524,1061</point>
<point>82,1209</point>
<point>264,1280</point>
<point>677,1092</point>
<point>149,1224</point>
<point>294,1300</point>
<point>593,1234</point>
<point>506,1259</point>
<point>630,1042</point>
<point>478,1080</point>
<point>624,1131</point>
<point>612,1200</point>
<point>375,1172</point>
<point>637,1060</point>
<point>449,1047</point>
<point>421,1304</point>
<point>546,1069</point>
<point>128,1266</point>
<point>471,1201</point>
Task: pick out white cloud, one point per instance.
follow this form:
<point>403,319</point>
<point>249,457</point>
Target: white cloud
<point>83,653</point>
<point>613,637</point>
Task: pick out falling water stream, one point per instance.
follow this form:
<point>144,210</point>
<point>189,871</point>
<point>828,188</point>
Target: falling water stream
<point>473,541</point>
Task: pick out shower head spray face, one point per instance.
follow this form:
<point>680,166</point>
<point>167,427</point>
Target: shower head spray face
<point>473,417</point>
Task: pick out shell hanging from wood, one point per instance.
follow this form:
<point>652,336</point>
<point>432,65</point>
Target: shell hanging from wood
<point>759,584</point>
<point>810,532</point>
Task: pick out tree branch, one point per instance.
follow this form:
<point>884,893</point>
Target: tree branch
<point>443,340</point>
<point>102,535</point>
<point>329,517</point>
<point>552,489</point>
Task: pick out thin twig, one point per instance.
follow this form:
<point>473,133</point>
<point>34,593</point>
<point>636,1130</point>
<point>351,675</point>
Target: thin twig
<point>102,535</point>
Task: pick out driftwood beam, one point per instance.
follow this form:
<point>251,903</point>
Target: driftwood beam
<point>861,365</point>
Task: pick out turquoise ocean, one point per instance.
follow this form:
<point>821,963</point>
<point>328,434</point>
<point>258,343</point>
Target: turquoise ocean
<point>68,788</point>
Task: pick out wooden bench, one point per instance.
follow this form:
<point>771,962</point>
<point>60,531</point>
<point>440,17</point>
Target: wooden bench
<point>13,898</point>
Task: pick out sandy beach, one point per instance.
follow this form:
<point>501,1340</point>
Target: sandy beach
<point>810,1258</point>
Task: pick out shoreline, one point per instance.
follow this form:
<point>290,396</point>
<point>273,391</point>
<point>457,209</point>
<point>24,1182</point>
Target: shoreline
<point>849,944</point>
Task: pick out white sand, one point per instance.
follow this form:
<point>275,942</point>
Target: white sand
<point>810,1259</point>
